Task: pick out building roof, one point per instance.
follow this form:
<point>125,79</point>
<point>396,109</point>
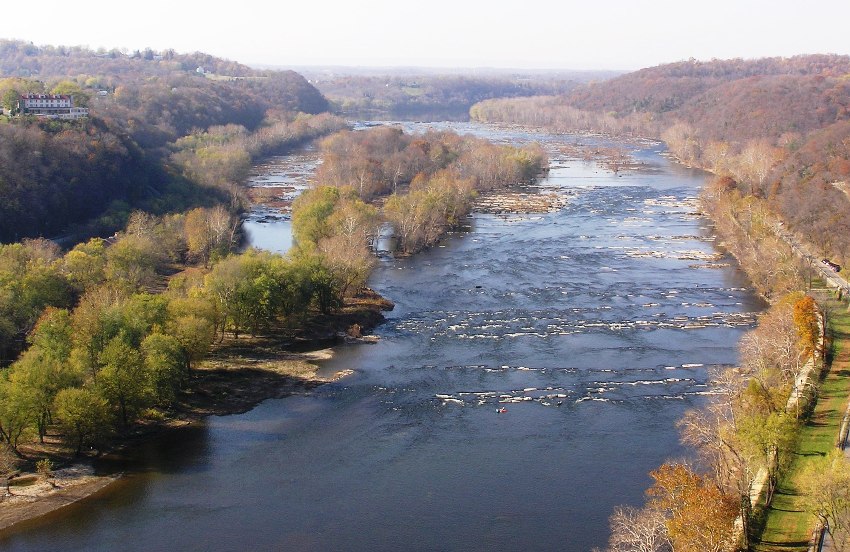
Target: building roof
<point>45,97</point>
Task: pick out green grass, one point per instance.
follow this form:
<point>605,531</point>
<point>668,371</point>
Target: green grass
<point>788,526</point>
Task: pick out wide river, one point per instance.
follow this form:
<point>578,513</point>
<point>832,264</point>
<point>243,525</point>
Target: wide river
<point>595,326</point>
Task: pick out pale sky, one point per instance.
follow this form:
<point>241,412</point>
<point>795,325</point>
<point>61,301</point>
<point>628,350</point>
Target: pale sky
<point>566,34</point>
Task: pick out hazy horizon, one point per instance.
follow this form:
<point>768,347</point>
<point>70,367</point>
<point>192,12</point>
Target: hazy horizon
<point>613,35</point>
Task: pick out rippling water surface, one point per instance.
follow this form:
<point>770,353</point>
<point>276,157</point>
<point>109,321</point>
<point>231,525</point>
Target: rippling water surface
<point>595,327</point>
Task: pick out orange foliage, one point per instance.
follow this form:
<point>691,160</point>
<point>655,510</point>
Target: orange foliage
<point>700,516</point>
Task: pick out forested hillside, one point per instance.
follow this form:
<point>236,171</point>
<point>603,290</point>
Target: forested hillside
<point>55,174</point>
<point>109,69</point>
<point>415,94</point>
<point>780,127</point>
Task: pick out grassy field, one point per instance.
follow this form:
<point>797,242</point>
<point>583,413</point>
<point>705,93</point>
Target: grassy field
<point>788,526</point>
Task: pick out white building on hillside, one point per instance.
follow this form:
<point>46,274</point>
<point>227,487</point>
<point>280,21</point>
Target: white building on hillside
<point>56,106</point>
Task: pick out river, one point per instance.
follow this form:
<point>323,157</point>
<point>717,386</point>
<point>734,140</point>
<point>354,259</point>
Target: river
<point>594,326</point>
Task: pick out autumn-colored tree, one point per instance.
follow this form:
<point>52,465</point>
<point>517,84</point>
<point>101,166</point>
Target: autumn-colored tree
<point>351,227</point>
<point>210,233</point>
<point>808,328</point>
<point>700,517</point>
<point>770,356</point>
<point>350,264</point>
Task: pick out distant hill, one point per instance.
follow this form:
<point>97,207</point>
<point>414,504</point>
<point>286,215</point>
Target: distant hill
<point>55,174</point>
<point>673,86</point>
<point>413,91</point>
<point>101,69</point>
<point>779,126</point>
<point>730,99</point>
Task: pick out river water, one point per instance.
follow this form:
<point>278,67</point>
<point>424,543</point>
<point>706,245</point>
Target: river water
<point>595,327</point>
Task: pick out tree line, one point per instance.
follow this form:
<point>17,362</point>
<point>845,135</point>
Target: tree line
<point>412,94</point>
<point>109,335</point>
<point>748,427</point>
<point>426,182</point>
<point>86,176</point>
<point>220,158</point>
<point>779,127</point>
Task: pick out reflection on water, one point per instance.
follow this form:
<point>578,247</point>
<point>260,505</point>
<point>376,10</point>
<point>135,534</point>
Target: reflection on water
<point>268,225</point>
<point>594,327</point>
<point>274,235</point>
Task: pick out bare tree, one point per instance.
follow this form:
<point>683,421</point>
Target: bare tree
<point>638,530</point>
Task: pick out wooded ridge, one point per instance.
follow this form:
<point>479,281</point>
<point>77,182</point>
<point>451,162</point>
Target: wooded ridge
<point>779,127</point>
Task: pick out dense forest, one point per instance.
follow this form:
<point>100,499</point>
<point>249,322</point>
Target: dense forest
<point>779,127</point>
<point>122,156</point>
<point>109,331</point>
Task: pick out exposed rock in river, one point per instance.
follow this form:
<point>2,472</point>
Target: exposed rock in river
<point>519,202</point>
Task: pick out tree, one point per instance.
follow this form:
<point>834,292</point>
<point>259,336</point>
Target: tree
<point>94,323</point>
<point>165,363</point>
<point>38,377</point>
<point>351,264</point>
<point>808,328</point>
<point>769,356</point>
<point>193,322</point>
<point>221,286</point>
<point>638,530</point>
<point>52,334</point>
<point>210,233</point>
<point>9,100</point>
<point>85,264</point>
<point>132,261</point>
<point>30,281</point>
<point>8,463</point>
<point>324,288</point>
<point>83,414</point>
<point>81,99</point>
<point>310,213</point>
<point>764,437</point>
<point>123,380</point>
<point>699,515</point>
<point>16,413</point>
